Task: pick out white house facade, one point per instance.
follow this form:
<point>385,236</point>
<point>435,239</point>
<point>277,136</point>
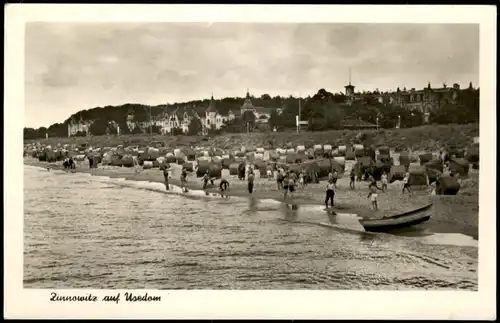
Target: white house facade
<point>81,126</point>
<point>214,119</point>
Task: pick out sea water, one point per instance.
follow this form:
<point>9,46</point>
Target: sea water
<point>83,231</point>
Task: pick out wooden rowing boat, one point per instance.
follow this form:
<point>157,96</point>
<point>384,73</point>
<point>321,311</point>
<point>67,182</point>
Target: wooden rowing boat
<point>403,220</point>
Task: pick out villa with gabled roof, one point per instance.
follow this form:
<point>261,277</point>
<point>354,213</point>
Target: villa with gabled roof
<point>210,117</point>
<point>179,118</point>
<point>80,126</point>
<point>262,114</point>
<point>213,118</point>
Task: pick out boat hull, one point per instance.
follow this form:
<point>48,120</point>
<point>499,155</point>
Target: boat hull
<point>374,227</point>
<point>399,221</point>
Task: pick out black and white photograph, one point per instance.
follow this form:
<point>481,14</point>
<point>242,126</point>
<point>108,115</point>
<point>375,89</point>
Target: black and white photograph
<point>252,156</point>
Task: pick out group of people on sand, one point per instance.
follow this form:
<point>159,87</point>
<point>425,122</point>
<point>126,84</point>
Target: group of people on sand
<point>288,181</point>
<point>69,163</point>
<point>165,167</point>
<point>372,187</point>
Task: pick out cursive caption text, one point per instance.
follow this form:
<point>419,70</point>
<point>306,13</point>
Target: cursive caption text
<point>127,297</point>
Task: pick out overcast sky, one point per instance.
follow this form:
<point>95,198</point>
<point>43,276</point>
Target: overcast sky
<point>70,66</point>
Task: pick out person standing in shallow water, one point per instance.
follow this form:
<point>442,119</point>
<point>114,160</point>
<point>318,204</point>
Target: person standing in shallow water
<point>292,182</point>
<point>286,182</point>
<point>250,181</point>
<point>330,193</point>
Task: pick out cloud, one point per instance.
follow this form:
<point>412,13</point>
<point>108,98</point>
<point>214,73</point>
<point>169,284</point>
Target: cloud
<point>109,59</point>
<point>74,66</point>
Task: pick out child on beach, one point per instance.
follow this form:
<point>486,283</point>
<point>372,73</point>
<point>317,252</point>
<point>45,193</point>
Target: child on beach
<point>301,180</point>
<point>406,184</point>
<point>250,181</point>
<point>249,169</point>
<point>269,173</point>
<point>223,186</point>
<point>286,181</point>
<point>446,168</point>
<point>353,179</point>
<point>384,181</point>
<point>330,176</point>
<point>373,198</point>
<point>373,182</point>
<point>279,179</point>
<point>205,179</point>
<point>241,171</point>
<point>184,179</point>
<point>335,176</point>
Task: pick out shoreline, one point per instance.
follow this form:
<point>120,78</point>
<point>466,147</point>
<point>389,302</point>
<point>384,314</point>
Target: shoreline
<point>264,188</point>
<point>451,214</point>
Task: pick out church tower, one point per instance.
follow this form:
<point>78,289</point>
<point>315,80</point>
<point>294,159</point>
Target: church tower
<point>211,111</point>
<point>349,89</point>
<point>247,105</point>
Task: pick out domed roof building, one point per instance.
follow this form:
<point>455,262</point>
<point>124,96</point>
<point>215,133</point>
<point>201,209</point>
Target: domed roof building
<point>262,114</point>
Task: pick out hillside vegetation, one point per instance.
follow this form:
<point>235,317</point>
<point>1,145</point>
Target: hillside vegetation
<point>428,138</point>
<point>323,111</point>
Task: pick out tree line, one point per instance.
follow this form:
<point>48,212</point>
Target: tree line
<point>323,111</point>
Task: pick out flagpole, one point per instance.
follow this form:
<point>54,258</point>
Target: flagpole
<point>298,124</point>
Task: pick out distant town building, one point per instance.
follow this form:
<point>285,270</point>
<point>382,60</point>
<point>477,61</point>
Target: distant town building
<point>130,121</point>
<point>424,100</point>
<point>349,92</point>
<point>180,118</point>
<point>80,126</point>
<point>262,114</point>
<point>214,119</point>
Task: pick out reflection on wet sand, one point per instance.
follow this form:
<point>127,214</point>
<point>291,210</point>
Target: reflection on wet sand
<point>252,206</point>
<point>291,213</point>
<point>415,231</point>
<point>367,236</point>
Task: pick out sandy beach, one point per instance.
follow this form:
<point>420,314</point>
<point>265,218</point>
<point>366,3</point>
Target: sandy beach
<point>458,214</point>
